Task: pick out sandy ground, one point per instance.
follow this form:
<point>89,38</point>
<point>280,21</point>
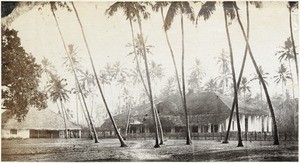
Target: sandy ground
<point>142,150</point>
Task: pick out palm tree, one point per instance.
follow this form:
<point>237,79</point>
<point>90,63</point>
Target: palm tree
<point>49,70</point>
<point>275,133</point>
<point>156,73</point>
<point>224,61</point>
<point>132,10</point>
<point>140,9</point>
<point>211,86</point>
<point>257,5</point>
<point>137,77</point>
<point>159,6</point>
<point>229,11</point>
<point>76,60</point>
<point>282,76</point>
<point>138,52</point>
<point>286,53</point>
<point>196,76</point>
<point>104,78</point>
<point>169,88</point>
<point>53,8</point>
<point>123,144</point>
<point>47,67</point>
<point>292,6</point>
<point>128,104</point>
<point>244,87</point>
<point>77,92</point>
<point>264,77</point>
<point>87,80</point>
<point>185,9</point>
<point>57,90</point>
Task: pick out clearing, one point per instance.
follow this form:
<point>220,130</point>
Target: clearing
<point>142,150</point>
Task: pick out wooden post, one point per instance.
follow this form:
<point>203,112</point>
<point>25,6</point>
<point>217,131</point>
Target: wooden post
<point>255,135</point>
<point>221,136</point>
<point>38,133</point>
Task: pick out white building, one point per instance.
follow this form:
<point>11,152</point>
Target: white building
<point>37,124</point>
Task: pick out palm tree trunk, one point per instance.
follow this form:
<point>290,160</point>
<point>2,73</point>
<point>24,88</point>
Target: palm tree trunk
<point>143,82</point>
<point>292,79</point>
<point>56,102</point>
<point>86,119</point>
<point>261,98</point>
<point>77,116</point>
<point>293,42</point>
<point>224,80</point>
<point>64,117</point>
<point>240,143</point>
<point>149,82</point>
<point>188,134</point>
<point>123,144</point>
<point>127,124</point>
<point>92,105</point>
<point>172,55</point>
<point>275,133</point>
<point>240,76</point>
<point>136,57</point>
<point>160,130</point>
<point>282,89</point>
<point>76,78</point>
<point>59,110</point>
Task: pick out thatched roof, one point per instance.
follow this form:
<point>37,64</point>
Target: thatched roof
<point>203,108</point>
<point>38,120</point>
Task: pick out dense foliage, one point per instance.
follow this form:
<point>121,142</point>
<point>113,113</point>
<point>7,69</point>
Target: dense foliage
<point>20,77</point>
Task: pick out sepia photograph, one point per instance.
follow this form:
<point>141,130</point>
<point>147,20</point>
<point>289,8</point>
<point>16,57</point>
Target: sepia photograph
<point>149,81</point>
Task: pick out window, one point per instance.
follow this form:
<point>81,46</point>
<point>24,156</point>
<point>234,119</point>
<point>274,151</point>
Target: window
<point>205,128</point>
<point>232,125</point>
<point>167,129</point>
<point>194,128</point>
<point>246,124</point>
<point>216,128</point>
<point>177,129</point>
<point>13,132</point>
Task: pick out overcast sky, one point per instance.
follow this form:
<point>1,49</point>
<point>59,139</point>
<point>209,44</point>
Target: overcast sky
<point>107,37</point>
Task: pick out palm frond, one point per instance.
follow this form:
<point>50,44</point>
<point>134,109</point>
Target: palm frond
<point>257,4</point>
<point>229,9</point>
<point>172,11</point>
<point>158,5</point>
<point>206,10</point>
<point>113,8</point>
<point>293,5</point>
<point>187,10</point>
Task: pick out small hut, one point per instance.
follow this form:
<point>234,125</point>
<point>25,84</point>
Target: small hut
<point>38,124</point>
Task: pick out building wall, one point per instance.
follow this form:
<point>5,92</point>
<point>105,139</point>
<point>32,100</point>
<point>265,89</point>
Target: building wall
<point>20,134</point>
<point>258,123</point>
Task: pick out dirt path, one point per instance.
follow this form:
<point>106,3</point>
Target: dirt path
<point>140,151</point>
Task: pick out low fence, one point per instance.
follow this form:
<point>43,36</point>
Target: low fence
<point>250,136</point>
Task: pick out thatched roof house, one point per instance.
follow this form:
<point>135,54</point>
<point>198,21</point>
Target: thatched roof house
<point>44,121</point>
<point>203,108</point>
